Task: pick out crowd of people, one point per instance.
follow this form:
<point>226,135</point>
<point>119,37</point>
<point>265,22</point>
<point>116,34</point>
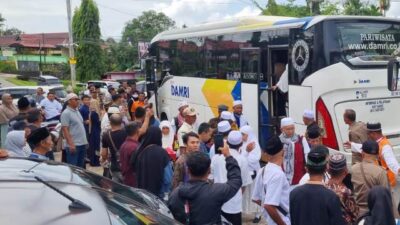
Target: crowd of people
<point>212,172</point>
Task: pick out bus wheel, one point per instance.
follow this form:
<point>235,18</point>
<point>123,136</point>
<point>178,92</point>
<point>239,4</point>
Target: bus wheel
<point>163,116</point>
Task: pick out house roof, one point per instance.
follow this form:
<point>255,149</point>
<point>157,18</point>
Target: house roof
<point>44,40</point>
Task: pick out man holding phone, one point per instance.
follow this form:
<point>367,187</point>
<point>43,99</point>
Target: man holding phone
<point>198,201</point>
<point>232,210</point>
<point>224,128</point>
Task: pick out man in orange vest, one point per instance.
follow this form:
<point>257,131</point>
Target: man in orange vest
<point>386,157</point>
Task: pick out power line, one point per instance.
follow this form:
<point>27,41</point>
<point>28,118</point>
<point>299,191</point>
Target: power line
<point>116,10</point>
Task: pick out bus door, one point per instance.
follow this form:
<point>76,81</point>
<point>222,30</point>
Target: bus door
<point>277,58</point>
<point>151,84</point>
<point>300,55</point>
<point>250,76</point>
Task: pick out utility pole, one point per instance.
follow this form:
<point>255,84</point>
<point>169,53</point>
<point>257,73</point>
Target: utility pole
<point>72,61</point>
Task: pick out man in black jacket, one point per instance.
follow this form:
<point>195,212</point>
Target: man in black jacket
<point>199,202</point>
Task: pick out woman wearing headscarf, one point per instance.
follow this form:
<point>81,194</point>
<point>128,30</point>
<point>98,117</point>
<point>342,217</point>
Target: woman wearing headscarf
<point>168,138</point>
<point>168,135</point>
<point>337,183</point>
<point>7,112</point>
<point>94,132</point>
<point>380,208</point>
<point>152,165</point>
<point>15,143</point>
<point>252,152</point>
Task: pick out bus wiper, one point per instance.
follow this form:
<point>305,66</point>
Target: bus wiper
<point>75,203</point>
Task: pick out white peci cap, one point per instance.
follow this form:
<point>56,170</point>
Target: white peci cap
<point>224,126</point>
<point>308,114</point>
<point>237,102</point>
<point>182,104</point>
<point>287,122</point>
<point>235,137</point>
<point>226,115</point>
<point>113,110</point>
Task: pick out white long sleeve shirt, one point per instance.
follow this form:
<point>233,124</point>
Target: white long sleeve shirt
<point>253,157</point>
<point>387,154</point>
<point>283,83</point>
<point>219,174</point>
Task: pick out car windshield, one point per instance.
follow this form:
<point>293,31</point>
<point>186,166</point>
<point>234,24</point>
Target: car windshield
<point>91,179</point>
<point>99,84</point>
<point>53,81</point>
<point>60,93</point>
<point>368,43</point>
<point>123,212</point>
<point>18,93</point>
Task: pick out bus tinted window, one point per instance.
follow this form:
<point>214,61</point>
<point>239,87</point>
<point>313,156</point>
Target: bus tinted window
<point>368,44</point>
<point>211,57</point>
<point>228,58</point>
<point>191,55</point>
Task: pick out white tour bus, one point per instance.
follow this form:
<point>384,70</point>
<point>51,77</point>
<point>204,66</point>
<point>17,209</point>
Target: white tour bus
<point>334,63</point>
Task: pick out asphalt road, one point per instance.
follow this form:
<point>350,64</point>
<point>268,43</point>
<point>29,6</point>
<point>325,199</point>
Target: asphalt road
<point>3,81</point>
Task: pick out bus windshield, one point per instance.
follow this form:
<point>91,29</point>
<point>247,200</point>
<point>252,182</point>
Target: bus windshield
<point>368,43</point>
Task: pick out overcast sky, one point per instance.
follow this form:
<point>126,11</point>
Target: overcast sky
<point>37,16</point>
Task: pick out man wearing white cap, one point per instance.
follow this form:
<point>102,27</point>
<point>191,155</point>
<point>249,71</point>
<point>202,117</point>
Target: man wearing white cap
<point>309,120</point>
<point>74,132</point>
<point>228,116</point>
<point>190,116</point>
<point>180,118</point>
<point>238,114</point>
<point>223,128</point>
<point>231,210</point>
<point>295,149</point>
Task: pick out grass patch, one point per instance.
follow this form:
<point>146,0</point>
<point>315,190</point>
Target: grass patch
<point>66,82</point>
<point>18,82</point>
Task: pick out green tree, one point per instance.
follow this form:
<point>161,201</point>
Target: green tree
<point>1,21</point>
<point>76,24</point>
<point>289,9</point>
<point>383,6</point>
<point>143,28</point>
<point>89,54</point>
<point>356,7</point>
<point>12,31</point>
<point>330,8</point>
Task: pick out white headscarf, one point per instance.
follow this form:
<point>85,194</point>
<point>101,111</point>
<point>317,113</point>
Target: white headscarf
<point>167,140</point>
<point>15,142</point>
<point>253,157</point>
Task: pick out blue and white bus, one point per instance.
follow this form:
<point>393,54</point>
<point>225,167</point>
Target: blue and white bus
<point>333,63</point>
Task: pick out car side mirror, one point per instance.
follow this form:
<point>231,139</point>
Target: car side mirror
<point>393,74</point>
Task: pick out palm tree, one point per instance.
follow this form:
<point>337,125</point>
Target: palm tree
<point>383,6</point>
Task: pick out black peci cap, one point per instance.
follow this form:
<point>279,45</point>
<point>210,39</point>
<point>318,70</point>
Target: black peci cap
<point>370,147</point>
<point>222,107</point>
<point>38,135</point>
<point>273,146</point>
<point>313,133</point>
<point>317,156</point>
<point>374,126</point>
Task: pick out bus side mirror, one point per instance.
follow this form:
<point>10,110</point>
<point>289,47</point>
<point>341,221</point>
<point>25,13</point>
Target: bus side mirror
<point>393,74</point>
